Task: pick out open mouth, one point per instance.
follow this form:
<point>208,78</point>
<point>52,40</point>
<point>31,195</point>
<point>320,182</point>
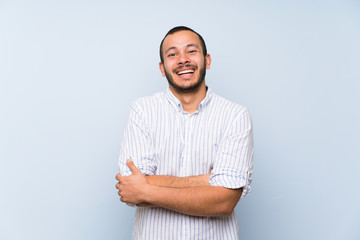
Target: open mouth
<point>184,72</point>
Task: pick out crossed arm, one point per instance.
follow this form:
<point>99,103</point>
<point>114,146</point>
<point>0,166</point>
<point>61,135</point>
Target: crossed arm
<point>189,195</point>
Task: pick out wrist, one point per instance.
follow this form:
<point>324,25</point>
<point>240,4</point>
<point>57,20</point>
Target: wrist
<point>148,179</point>
<point>148,193</point>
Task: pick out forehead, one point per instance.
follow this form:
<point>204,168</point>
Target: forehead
<point>181,39</point>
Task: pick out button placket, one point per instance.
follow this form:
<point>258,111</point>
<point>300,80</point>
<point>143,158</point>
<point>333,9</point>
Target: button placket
<point>187,145</point>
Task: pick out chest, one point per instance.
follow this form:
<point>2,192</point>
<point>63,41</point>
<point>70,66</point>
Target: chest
<point>186,144</point>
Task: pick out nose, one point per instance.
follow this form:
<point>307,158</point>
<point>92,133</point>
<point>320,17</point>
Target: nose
<point>183,59</point>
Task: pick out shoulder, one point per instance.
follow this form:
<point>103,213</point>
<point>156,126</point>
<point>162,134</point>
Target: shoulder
<point>234,117</point>
<point>149,103</point>
<point>227,107</point>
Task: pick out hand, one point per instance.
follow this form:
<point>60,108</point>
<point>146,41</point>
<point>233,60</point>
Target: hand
<point>132,188</point>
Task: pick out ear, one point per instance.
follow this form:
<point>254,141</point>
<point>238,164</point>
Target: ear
<point>207,61</point>
<point>162,70</point>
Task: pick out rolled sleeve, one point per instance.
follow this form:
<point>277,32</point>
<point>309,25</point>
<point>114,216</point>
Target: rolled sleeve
<point>144,163</point>
<point>234,161</point>
<point>229,178</point>
<point>136,144</point>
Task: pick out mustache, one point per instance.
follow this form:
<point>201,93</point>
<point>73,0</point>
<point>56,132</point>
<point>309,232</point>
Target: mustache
<point>185,66</point>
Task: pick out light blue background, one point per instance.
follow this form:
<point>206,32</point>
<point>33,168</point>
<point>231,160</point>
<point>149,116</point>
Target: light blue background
<point>69,71</point>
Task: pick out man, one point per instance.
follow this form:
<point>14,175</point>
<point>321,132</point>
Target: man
<point>186,154</point>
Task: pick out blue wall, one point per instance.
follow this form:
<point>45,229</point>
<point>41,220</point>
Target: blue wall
<point>70,69</point>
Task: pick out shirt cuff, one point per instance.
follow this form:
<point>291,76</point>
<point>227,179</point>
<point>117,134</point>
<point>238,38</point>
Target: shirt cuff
<point>145,168</point>
<point>231,179</point>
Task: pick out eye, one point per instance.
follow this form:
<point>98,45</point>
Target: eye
<point>192,51</point>
<point>171,54</point>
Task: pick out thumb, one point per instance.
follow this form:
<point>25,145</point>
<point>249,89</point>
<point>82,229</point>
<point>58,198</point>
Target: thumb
<point>132,167</point>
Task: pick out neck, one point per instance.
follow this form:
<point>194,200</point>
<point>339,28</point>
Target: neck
<point>190,101</point>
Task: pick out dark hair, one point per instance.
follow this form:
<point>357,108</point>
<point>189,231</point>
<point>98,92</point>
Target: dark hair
<point>178,29</point>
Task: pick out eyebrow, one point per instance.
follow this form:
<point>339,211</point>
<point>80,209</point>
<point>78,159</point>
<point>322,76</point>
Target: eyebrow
<point>187,46</point>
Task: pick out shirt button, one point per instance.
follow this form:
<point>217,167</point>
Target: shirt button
<point>186,217</point>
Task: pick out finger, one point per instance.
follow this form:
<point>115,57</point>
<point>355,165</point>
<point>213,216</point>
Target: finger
<point>132,167</point>
<point>117,185</point>
<point>118,176</point>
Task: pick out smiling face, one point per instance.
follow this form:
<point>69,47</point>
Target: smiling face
<point>184,62</point>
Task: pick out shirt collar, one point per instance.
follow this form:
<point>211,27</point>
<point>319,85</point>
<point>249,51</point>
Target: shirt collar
<point>177,104</point>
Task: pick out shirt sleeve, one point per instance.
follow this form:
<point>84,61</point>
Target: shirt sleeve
<point>234,160</point>
<point>136,144</point>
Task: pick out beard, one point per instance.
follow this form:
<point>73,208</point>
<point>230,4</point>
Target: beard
<point>188,89</point>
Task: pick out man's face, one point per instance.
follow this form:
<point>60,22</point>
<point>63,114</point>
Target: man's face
<point>184,62</point>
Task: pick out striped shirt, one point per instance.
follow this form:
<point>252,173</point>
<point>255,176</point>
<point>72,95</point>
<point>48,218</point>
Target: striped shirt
<point>162,139</point>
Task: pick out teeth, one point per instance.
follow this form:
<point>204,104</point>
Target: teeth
<point>186,71</point>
